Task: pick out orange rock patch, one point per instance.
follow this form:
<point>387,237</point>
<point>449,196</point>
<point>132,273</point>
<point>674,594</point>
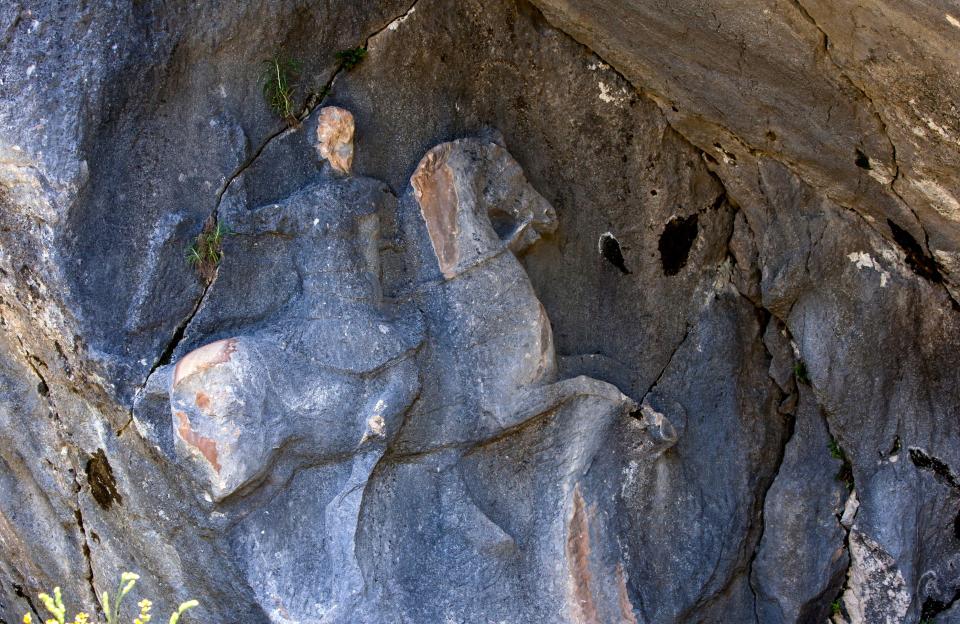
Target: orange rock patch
<point>578,560</point>
<point>206,446</point>
<point>435,193</point>
<point>203,402</point>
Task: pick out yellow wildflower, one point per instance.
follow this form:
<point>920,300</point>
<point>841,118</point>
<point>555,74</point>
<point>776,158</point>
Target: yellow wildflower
<point>144,616</point>
<point>175,617</point>
<point>55,606</point>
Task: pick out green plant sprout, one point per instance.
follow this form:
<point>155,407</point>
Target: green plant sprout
<point>846,469</point>
<point>349,59</point>
<point>835,451</point>
<point>54,604</point>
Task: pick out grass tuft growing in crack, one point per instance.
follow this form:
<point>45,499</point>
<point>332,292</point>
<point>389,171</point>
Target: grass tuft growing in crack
<point>835,451</point>
<point>279,87</point>
<point>205,254</point>
<point>845,473</point>
<point>800,372</point>
<point>349,59</point>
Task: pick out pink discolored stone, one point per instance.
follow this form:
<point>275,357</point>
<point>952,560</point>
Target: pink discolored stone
<point>203,358</point>
<point>335,129</point>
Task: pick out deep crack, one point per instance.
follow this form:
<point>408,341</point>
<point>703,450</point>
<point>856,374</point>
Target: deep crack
<point>19,592</point>
<point>663,371</point>
<point>885,131</point>
<point>312,104</point>
<point>852,491</point>
<point>790,423</point>
<point>30,359</point>
<point>85,549</point>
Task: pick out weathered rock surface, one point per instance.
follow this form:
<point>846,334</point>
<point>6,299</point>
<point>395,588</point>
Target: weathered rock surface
<point>856,98</point>
<point>801,560</point>
<point>503,330</point>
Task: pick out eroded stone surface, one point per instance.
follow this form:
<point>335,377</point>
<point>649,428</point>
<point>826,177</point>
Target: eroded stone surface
<point>883,133</point>
<point>876,590</point>
<point>802,558</point>
<point>430,399</point>
<point>206,357</point>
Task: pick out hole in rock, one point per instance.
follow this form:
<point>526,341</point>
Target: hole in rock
<point>932,464</point>
<point>675,243</point>
<point>862,161</point>
<point>609,248</point>
<point>653,192</point>
<point>103,485</point>
<point>42,388</point>
<point>718,202</point>
<point>933,607</point>
<point>895,447</point>
<point>922,264</point>
<point>502,222</point>
<point>730,156</point>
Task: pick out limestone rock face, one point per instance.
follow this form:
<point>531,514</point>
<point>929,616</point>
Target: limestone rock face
<point>616,312</point>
